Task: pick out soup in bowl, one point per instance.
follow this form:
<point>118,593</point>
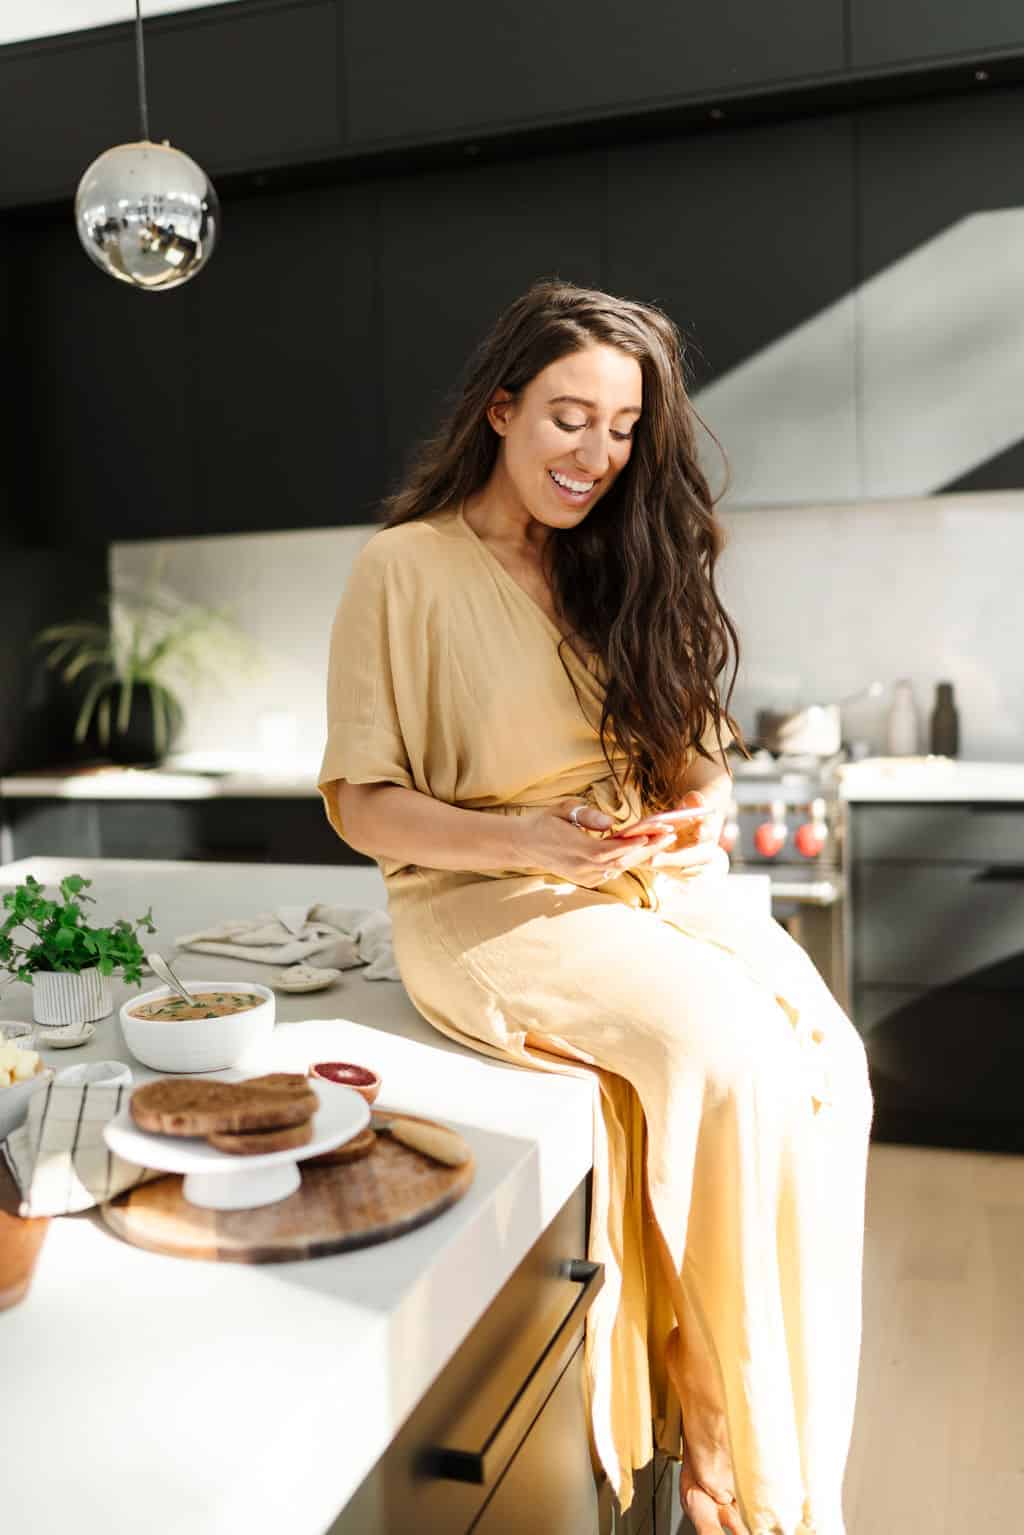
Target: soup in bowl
<point>229,1019</point>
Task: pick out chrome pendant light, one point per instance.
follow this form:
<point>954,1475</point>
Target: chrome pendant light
<point>146,213</point>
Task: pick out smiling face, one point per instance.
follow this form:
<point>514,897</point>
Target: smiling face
<point>567,437</point>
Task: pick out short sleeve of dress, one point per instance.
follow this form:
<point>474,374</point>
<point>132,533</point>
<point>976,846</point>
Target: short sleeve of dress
<point>365,743</point>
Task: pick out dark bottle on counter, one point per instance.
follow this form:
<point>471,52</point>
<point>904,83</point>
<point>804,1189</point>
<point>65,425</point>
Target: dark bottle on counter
<point>945,723</point>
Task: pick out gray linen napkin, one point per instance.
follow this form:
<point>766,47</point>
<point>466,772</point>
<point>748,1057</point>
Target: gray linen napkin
<point>338,936</point>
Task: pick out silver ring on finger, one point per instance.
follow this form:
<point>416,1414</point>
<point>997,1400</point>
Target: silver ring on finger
<point>574,815</point>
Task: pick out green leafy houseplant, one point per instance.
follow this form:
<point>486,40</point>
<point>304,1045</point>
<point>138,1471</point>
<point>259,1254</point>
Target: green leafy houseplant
<point>62,941</point>
<point>152,641</point>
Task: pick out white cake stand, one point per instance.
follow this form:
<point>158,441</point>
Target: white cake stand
<point>216,1180</point>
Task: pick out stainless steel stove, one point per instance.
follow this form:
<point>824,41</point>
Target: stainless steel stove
<point>786,821</point>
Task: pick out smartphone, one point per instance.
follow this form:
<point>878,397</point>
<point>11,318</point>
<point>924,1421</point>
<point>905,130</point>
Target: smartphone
<point>651,824</point>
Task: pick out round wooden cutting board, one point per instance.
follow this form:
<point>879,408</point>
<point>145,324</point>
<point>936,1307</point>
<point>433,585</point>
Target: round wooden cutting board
<point>352,1204</point>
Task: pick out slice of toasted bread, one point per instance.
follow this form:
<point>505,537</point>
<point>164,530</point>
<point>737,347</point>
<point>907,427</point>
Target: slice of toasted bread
<point>277,1081</point>
<point>253,1143</point>
<point>359,1146</point>
<point>191,1106</point>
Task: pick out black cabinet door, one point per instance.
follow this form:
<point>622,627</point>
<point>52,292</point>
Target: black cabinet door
<point>240,85</point>
<point>939,924</point>
<point>422,72</point>
<point>453,249</point>
<point>285,414</point>
<point>893,31</point>
<point>105,397</point>
<point>63,100</point>
<point>941,296</point>
<point>747,240</point>
<point>244,85</point>
<point>984,833</point>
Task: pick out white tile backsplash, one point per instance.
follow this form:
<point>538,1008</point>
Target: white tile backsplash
<point>826,599</point>
<point>283,589</point>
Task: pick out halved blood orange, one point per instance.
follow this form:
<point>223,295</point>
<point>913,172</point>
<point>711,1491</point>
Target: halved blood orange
<point>348,1074</point>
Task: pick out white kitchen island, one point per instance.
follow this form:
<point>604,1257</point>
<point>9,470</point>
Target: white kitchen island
<point>192,1398</point>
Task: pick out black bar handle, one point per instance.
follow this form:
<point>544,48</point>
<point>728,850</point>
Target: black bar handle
<point>1000,874</point>
<point>486,1464</point>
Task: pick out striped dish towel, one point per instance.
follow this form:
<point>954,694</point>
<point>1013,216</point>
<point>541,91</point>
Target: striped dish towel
<point>58,1157</point>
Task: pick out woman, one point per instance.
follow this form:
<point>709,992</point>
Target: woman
<point>523,664</point>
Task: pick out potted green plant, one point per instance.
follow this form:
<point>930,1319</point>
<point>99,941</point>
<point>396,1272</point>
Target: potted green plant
<point>66,961</point>
<point>136,664</point>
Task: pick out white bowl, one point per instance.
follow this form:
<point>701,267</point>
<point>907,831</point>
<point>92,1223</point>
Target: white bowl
<point>198,1044</point>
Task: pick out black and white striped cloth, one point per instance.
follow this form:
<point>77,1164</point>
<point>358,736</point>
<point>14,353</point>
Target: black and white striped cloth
<point>58,1157</point>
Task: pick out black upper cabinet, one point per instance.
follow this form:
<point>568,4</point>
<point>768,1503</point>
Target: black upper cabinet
<point>106,397</point>
<point>939,309</point>
<point>883,32</point>
<point>742,238</point>
<point>240,87</point>
<point>245,85</point>
<point>455,249</point>
<point>285,391</point>
<point>747,241</point>
<point>417,72</point>
<point>62,102</point>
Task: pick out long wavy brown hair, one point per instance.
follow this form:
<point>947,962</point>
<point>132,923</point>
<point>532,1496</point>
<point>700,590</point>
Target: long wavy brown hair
<point>635,580</point>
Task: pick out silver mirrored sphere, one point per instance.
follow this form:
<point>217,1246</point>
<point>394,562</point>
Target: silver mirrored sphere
<point>148,215</point>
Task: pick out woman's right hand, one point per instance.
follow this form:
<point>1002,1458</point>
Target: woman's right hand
<point>551,841</point>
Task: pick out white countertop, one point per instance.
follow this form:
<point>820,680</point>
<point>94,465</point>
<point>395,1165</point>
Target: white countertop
<point>911,779</point>
<point>254,775</point>
<point>194,775</point>
<point>196,1398</point>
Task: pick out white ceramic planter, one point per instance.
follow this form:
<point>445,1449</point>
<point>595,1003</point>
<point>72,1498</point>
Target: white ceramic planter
<point>66,998</point>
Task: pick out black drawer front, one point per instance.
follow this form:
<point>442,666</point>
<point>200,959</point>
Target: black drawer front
<point>550,1485</point>
<point>931,925</point>
<point>945,1063</point>
<point>939,833</point>
<point>874,1005</point>
<point>535,1310</point>
<point>229,829</point>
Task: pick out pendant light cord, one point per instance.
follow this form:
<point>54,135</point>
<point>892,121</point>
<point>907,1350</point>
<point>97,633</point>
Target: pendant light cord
<point>140,62</point>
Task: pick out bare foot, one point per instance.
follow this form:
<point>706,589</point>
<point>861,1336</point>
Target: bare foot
<point>707,1516</point>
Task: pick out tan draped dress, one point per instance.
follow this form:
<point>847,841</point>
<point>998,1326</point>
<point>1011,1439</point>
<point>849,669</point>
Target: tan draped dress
<point>730,1146</point>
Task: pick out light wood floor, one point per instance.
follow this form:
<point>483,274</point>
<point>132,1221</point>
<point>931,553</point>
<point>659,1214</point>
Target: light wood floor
<point>938,1444</point>
<point>938,1439</point>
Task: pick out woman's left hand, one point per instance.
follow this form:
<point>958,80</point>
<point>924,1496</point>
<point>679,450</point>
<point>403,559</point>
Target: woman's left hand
<point>697,844</point>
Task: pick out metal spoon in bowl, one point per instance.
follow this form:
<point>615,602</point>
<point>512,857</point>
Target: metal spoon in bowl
<point>160,967</point>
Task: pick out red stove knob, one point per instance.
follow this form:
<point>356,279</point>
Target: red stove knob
<point>810,838</point>
<point>769,838</point>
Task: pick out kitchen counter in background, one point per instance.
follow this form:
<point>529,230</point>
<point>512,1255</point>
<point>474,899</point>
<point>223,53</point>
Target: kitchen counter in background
<point>213,807</point>
<point>207,775</point>
<point>192,775</point>
<point>206,1398</point>
<point>912,779</point>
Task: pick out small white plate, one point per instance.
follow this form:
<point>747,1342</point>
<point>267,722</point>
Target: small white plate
<point>66,1038</point>
<point>216,1180</point>
<point>304,978</point>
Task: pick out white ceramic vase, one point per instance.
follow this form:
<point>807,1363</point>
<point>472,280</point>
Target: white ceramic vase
<point>65,998</point>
